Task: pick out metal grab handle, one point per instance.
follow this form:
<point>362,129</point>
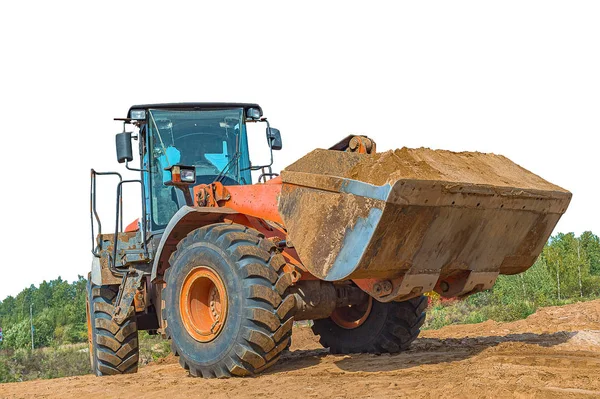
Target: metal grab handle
<point>266,172</point>
<point>119,217</point>
<point>94,212</point>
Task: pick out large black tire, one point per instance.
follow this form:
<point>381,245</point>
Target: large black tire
<point>390,328</point>
<point>113,347</point>
<point>258,321</point>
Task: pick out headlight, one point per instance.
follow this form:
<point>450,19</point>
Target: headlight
<point>188,175</point>
<point>138,114</point>
<point>181,175</point>
<point>253,113</point>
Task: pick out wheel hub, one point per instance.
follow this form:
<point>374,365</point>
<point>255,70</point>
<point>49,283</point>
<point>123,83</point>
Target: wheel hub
<point>203,304</point>
<point>352,316</point>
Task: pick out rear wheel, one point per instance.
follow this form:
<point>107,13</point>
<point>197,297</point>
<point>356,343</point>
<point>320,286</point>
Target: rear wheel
<point>227,306</point>
<point>113,346</point>
<point>372,327</point>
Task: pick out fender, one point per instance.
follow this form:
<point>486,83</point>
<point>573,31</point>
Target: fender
<point>96,275</point>
<point>184,221</point>
<point>100,273</point>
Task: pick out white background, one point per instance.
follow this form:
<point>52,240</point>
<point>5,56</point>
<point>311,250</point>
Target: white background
<point>519,78</point>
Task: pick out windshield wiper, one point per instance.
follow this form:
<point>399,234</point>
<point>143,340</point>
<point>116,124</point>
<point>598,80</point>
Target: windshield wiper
<point>226,168</point>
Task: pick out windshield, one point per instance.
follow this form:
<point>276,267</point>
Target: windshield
<point>214,141</point>
<point>209,140</point>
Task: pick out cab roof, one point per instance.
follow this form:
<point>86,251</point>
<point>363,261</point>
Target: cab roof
<point>194,106</point>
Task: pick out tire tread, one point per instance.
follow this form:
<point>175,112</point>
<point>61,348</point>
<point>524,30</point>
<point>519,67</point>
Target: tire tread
<point>266,328</point>
<point>115,345</point>
<point>401,327</point>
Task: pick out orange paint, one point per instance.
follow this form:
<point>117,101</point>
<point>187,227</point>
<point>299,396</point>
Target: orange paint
<point>133,226</point>
<point>258,200</point>
<point>203,304</point>
<point>351,317</point>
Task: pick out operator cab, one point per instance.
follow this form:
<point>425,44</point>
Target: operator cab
<point>186,144</point>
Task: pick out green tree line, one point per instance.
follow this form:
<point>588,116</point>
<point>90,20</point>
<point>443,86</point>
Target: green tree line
<point>567,270</point>
<point>58,315</point>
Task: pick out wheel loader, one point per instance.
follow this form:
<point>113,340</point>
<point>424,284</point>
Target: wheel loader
<point>346,237</point>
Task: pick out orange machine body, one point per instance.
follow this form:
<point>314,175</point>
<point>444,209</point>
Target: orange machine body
<point>257,207</point>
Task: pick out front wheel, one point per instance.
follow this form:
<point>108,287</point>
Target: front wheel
<point>227,306</point>
<point>372,327</point>
<point>113,346</point>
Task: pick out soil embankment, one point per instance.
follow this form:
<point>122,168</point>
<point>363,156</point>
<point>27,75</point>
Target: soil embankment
<point>555,353</point>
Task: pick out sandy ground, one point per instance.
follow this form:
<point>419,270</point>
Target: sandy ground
<point>555,353</point>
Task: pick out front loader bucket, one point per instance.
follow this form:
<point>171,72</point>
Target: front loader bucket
<point>425,219</point>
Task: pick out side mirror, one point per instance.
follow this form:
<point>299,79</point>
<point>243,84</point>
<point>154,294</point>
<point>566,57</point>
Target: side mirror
<point>274,138</point>
<point>124,150</point>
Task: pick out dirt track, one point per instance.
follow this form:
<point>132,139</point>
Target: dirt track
<point>553,354</point>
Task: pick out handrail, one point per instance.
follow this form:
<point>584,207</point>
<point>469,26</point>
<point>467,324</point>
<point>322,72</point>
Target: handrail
<point>119,217</point>
<point>94,212</point>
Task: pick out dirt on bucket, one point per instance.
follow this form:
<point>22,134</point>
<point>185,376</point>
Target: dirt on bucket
<point>463,167</point>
